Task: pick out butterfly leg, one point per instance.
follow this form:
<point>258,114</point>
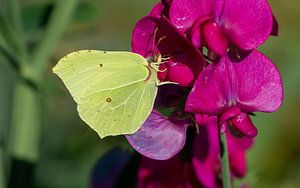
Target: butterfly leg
<point>157,69</point>
<point>158,83</point>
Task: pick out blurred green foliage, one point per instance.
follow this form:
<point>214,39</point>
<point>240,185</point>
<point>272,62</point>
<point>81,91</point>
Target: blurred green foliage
<point>69,149</point>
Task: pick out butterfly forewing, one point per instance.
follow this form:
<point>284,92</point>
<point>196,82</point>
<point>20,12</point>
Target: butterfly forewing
<point>112,89</point>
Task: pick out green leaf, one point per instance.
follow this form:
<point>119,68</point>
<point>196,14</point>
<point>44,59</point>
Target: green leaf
<point>115,91</point>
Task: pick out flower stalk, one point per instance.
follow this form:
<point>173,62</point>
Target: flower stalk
<point>26,117</point>
<point>225,161</point>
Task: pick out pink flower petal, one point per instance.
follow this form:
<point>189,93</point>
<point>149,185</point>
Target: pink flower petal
<point>244,124</point>
<point>152,36</point>
<point>159,138</point>
<point>275,28</point>
<point>157,10</point>
<point>169,96</point>
<point>259,84</point>
<point>179,72</point>
<point>143,36</point>
<point>167,2</point>
<point>238,164</point>
<point>247,23</point>
<point>194,58</point>
<point>253,84</point>
<point>237,148</point>
<point>229,114</point>
<point>172,173</point>
<point>183,13</point>
<point>215,39</point>
<point>162,74</point>
<point>210,94</point>
<point>196,31</point>
<point>206,154</point>
<point>204,119</point>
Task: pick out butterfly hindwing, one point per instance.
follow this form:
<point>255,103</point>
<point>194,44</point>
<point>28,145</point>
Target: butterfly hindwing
<point>114,90</point>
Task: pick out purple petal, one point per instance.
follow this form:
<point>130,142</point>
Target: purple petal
<point>229,114</point>
<point>108,168</point>
<point>143,36</point>
<point>253,84</point>
<point>163,73</point>
<point>247,23</point>
<point>206,154</point>
<point>238,164</point>
<point>179,72</point>
<point>210,94</point>
<point>259,84</point>
<point>169,96</point>
<point>174,173</point>
<point>159,138</point>
<point>167,2</point>
<point>215,39</point>
<point>244,124</point>
<point>183,13</point>
<point>194,59</point>
<point>196,35</point>
<point>204,119</point>
<point>159,174</point>
<point>237,148</point>
<point>157,10</point>
<point>152,36</point>
<point>275,27</point>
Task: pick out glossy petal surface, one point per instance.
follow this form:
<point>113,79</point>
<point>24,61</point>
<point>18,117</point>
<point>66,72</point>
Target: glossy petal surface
<point>157,10</point>
<point>143,36</point>
<point>247,23</point>
<point>183,13</point>
<point>159,138</point>
<point>206,154</point>
<point>254,84</point>
<point>237,154</point>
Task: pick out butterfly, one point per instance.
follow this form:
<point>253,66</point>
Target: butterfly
<point>114,91</point>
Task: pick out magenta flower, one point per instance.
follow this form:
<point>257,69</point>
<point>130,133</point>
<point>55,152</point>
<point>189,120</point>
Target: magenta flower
<point>203,169</point>
<point>153,36</point>
<point>160,137</point>
<point>219,23</point>
<point>233,90</point>
<point>206,153</point>
<point>224,94</point>
<point>160,9</point>
<point>175,173</point>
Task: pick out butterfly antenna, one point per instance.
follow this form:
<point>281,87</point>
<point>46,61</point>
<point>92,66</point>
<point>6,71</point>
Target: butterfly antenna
<point>154,39</point>
<point>167,57</point>
<point>160,40</point>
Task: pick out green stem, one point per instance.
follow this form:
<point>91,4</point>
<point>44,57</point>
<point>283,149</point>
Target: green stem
<point>15,14</point>
<point>6,81</point>
<point>16,21</point>
<point>57,25</point>
<point>26,123</point>
<point>24,137</point>
<point>226,179</point>
<point>2,170</point>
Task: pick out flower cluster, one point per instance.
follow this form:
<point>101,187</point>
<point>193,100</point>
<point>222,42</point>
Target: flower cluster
<point>208,48</point>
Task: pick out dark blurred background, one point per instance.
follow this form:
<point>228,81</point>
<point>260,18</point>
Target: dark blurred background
<point>66,149</point>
